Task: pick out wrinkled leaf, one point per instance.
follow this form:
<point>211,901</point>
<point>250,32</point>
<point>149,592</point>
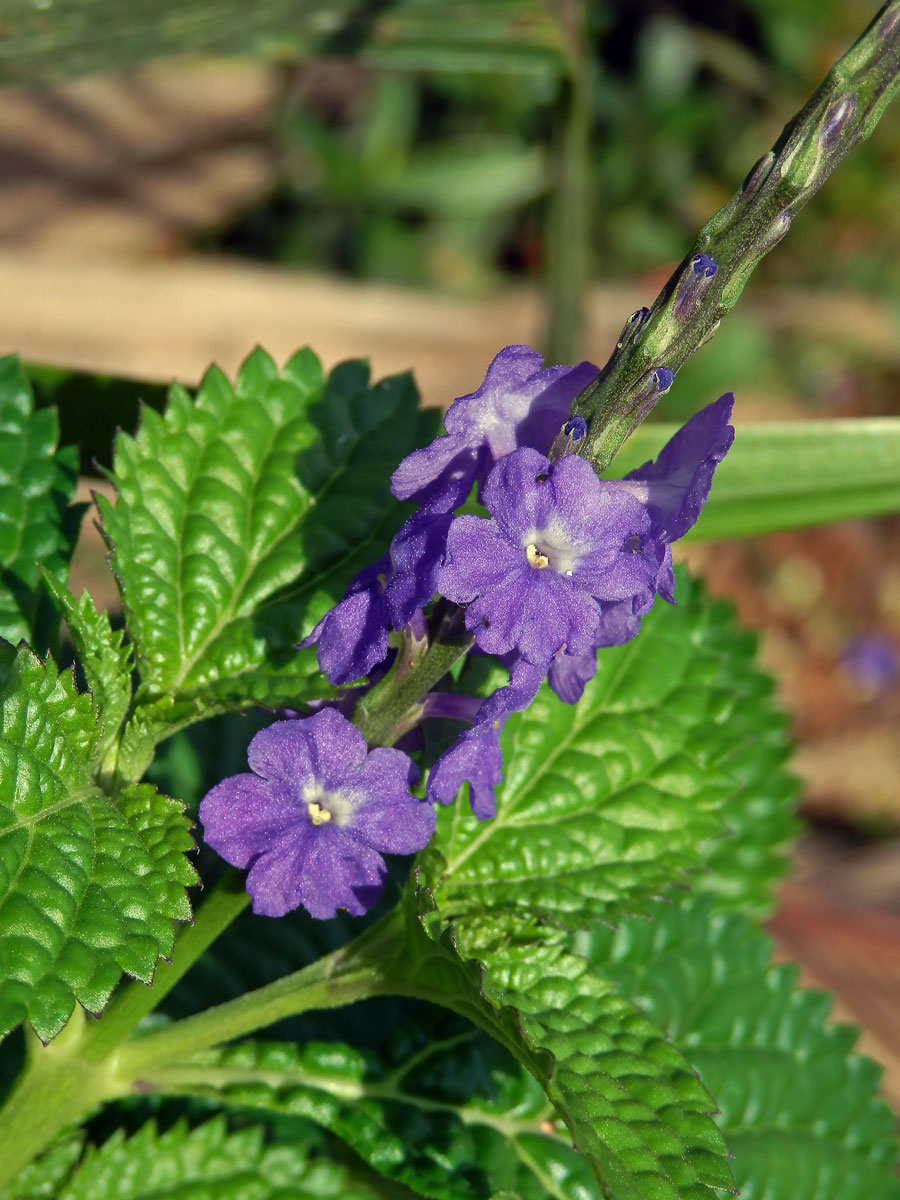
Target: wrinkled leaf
<point>799,1111</point>
<point>240,516</point>
<point>89,884</point>
<point>208,1161</point>
<point>671,761</point>
<point>37,481</point>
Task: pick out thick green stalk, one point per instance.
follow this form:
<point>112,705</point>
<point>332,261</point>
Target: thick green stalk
<point>392,706</point>
<point>844,111</point>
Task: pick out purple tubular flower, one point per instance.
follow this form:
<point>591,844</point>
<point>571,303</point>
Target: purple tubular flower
<point>353,636</point>
<point>314,818</point>
<point>694,284</point>
<point>520,403</point>
<point>531,574</point>
<point>475,757</point>
<point>675,486</point>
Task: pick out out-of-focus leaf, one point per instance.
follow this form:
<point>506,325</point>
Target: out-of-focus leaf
<point>799,1111</point>
<point>788,474</point>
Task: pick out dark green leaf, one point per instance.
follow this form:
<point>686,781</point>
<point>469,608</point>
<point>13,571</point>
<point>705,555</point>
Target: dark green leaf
<point>789,474</point>
<point>442,1108</point>
<point>798,1110</point>
<point>89,884</point>
<point>45,1177</point>
<point>209,1162</point>
<point>671,761</point>
<point>37,481</point>
<point>105,661</point>
<point>629,1100</point>
<point>240,517</point>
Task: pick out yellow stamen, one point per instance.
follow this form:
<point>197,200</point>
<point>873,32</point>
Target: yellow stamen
<point>317,814</point>
<point>535,558</point>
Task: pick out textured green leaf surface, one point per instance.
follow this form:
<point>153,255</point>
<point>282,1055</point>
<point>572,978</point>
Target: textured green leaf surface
<point>671,761</point>
<point>240,517</point>
<point>209,1163</point>
<point>37,482</point>
<point>106,662</point>
<point>441,1108</point>
<point>788,474</point>
<point>628,1099</point>
<point>89,884</point>
<point>44,1179</point>
<point>632,1104</point>
<point>798,1110</point>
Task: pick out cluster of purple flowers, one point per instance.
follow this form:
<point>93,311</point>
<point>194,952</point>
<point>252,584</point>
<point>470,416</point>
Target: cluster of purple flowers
<point>565,564</point>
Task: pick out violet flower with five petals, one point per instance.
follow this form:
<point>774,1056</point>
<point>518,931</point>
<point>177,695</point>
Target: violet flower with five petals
<point>520,403</point>
<point>315,817</point>
<point>530,576</point>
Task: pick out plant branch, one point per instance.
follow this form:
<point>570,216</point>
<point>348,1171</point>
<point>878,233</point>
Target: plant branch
<point>687,312</point>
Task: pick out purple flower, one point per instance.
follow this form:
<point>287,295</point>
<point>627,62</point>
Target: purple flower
<point>353,636</point>
<point>475,757</point>
<point>531,575</point>
<point>519,404</point>
<point>676,485</point>
<point>313,820</point>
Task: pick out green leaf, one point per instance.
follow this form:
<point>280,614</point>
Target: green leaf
<point>89,884</point>
<point>240,518</point>
<point>208,1161</point>
<point>631,1103</point>
<point>671,761</point>
<point>798,1110</point>
<point>441,1108</point>
<point>44,1178</point>
<point>788,474</point>
<point>635,1110</point>
<point>37,481</point>
<point>106,662</point>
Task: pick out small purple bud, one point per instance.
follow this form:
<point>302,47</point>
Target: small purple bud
<point>634,322</point>
<point>664,379</point>
<point>758,174</point>
<point>775,232</point>
<point>837,118</point>
<point>574,430</point>
<point>656,383</point>
<point>693,285</point>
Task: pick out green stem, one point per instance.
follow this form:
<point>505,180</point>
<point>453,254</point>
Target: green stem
<point>354,972</point>
<point>392,706</point>
<point>76,1071</point>
<point>843,112</point>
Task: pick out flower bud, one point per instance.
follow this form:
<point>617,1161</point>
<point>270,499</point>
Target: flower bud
<point>693,284</point>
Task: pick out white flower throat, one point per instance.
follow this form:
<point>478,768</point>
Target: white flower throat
<point>550,547</point>
<point>325,807</point>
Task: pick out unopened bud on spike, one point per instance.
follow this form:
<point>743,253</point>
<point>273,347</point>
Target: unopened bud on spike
<point>693,284</point>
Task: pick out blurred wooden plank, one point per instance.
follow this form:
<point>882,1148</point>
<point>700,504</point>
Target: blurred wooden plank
<point>159,321</point>
<point>134,163</point>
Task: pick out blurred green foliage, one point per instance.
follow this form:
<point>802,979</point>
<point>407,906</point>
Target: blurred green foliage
<point>428,156</point>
